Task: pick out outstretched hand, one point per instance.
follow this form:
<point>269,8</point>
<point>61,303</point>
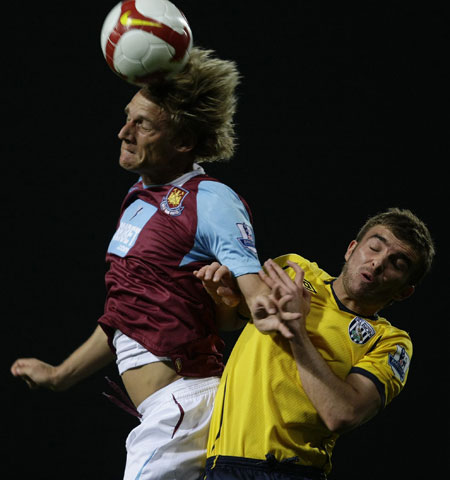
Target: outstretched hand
<point>35,373</point>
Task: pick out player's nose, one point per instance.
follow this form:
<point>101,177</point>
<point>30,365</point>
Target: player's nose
<point>378,264</point>
<point>126,132</point>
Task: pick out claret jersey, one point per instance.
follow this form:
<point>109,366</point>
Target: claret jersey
<point>261,407</point>
<point>165,232</point>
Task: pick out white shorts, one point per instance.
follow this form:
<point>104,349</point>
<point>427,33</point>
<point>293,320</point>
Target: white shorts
<point>170,443</point>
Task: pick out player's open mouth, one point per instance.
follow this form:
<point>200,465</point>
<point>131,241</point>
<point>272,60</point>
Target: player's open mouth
<point>367,277</point>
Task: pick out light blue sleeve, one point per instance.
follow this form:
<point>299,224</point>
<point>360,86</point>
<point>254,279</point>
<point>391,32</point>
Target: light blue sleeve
<point>224,232</point>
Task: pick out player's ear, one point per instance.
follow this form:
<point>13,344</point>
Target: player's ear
<point>184,148</point>
<point>404,293</point>
<point>185,142</point>
<point>350,249</point>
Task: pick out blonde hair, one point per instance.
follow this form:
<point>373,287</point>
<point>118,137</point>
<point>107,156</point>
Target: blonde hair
<point>201,103</point>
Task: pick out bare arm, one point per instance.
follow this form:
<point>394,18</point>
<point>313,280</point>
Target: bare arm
<point>342,404</point>
<point>90,357</point>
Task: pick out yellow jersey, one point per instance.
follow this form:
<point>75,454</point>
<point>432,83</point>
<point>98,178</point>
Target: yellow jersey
<point>261,407</point>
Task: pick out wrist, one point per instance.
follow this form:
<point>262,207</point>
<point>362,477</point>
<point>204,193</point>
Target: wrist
<point>300,337</point>
<point>59,379</point>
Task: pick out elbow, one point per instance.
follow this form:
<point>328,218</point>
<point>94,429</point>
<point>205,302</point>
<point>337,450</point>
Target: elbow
<point>337,426</point>
<point>341,417</point>
<point>342,421</point>
<point>340,426</point>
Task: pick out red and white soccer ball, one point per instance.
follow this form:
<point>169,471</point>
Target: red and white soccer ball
<point>146,39</point>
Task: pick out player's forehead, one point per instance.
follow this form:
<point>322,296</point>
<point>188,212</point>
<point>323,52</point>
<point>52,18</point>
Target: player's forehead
<point>385,237</point>
<point>142,107</point>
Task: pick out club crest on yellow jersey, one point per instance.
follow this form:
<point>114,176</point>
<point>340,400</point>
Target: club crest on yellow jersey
<point>360,330</point>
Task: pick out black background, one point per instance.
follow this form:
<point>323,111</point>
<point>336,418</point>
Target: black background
<point>343,113</point>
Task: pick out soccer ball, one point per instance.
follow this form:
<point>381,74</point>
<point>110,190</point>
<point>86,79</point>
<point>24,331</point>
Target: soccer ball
<point>144,40</point>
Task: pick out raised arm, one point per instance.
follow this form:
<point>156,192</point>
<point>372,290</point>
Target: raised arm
<point>342,404</point>
<point>90,357</point>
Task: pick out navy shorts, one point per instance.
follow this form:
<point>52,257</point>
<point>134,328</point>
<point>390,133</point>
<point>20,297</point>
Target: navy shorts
<point>237,468</point>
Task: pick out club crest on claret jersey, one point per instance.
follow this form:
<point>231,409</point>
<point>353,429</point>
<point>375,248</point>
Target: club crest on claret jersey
<point>172,203</point>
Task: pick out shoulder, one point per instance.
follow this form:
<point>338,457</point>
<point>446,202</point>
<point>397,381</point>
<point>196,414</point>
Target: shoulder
<point>311,269</point>
<point>215,189</point>
<point>217,198</point>
<point>392,334</point>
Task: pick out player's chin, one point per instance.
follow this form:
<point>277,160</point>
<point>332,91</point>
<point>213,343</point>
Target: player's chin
<point>129,161</point>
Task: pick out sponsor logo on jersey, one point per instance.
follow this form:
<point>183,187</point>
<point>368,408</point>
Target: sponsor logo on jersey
<point>309,286</point>
<point>306,283</point>
<point>172,203</point>
<point>399,362</point>
<point>360,330</point>
<point>131,224</point>
<point>246,239</point>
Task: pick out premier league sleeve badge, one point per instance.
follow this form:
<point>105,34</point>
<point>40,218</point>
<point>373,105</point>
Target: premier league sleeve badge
<point>399,362</point>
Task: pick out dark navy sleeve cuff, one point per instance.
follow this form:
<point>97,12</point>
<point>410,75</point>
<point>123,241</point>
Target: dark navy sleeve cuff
<point>379,385</point>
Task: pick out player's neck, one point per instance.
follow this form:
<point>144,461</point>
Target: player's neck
<point>360,306</point>
<point>164,177</point>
